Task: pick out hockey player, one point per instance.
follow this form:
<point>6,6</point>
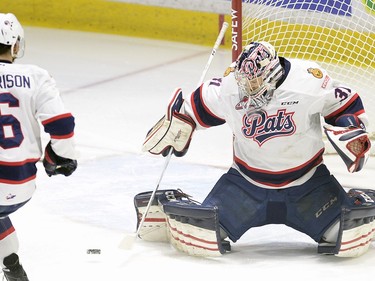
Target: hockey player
<point>28,97</point>
<point>274,107</point>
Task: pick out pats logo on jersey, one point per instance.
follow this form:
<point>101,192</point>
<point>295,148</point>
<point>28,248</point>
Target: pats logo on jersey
<point>262,127</point>
<point>316,72</point>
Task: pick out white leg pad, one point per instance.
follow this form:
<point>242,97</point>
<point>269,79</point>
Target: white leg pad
<point>193,240</point>
<point>357,226</point>
<point>356,241</point>
<point>189,227</point>
<point>154,227</point>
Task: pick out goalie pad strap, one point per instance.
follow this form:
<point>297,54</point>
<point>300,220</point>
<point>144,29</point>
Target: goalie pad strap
<point>199,216</point>
<point>349,121</point>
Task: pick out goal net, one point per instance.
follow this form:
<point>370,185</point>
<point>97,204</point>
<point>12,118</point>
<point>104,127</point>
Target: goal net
<point>338,34</point>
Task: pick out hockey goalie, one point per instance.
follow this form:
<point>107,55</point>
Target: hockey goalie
<point>275,107</point>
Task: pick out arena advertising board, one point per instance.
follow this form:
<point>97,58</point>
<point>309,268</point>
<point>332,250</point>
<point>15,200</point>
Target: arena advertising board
<point>335,7</point>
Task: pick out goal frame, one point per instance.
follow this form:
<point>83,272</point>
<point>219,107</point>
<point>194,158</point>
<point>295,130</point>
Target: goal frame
<point>236,18</point>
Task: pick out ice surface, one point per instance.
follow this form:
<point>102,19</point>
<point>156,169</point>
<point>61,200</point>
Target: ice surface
<point>117,87</point>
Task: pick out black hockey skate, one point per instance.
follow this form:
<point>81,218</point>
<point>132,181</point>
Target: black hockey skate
<point>13,270</point>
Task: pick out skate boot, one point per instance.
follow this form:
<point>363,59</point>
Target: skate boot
<point>13,270</point>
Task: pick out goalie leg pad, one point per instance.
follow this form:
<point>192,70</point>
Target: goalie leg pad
<point>357,226</point>
<point>154,227</point>
<point>194,229</point>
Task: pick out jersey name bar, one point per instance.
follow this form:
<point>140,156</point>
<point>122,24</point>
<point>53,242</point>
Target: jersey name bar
<point>9,81</point>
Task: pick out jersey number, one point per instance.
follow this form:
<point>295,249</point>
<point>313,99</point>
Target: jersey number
<point>10,130</point>
<point>342,93</point>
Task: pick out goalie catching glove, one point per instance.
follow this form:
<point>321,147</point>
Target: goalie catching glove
<point>173,131</point>
<point>56,165</point>
<point>351,141</point>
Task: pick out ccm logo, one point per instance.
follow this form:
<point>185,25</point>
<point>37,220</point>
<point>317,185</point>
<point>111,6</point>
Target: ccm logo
<point>325,207</point>
<point>289,102</point>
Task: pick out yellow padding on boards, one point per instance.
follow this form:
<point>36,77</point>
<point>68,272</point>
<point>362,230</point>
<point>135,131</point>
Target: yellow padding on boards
<point>119,18</point>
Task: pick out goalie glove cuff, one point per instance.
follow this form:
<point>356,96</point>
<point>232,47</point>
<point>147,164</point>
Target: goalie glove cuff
<point>349,121</point>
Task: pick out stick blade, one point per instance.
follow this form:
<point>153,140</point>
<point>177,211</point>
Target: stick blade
<point>128,241</point>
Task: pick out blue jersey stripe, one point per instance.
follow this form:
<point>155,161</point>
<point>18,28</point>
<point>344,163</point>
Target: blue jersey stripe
<point>201,112</point>
<point>6,227</point>
<point>60,126</point>
<point>14,174</point>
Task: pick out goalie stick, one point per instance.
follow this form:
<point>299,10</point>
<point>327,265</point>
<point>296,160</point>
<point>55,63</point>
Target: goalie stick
<point>129,239</point>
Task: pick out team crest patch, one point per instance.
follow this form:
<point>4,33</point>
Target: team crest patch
<point>316,72</point>
<point>228,70</point>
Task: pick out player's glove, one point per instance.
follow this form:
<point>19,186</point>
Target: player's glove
<point>351,142</point>
<point>173,131</point>
<point>56,165</point>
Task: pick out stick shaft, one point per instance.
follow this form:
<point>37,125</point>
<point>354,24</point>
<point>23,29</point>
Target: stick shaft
<point>213,52</point>
<point>168,157</point>
<point>166,162</point>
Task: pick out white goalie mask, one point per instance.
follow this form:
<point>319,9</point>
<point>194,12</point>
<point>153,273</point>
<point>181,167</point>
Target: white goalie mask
<point>11,33</point>
<point>257,71</point>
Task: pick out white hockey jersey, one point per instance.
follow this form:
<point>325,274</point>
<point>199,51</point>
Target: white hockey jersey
<point>280,145</point>
<point>28,99</point>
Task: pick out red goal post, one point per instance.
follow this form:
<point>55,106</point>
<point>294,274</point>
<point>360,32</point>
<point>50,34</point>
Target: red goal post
<point>236,28</point>
<point>338,34</point>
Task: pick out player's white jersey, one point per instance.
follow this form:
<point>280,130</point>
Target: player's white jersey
<point>281,144</point>
<point>28,99</point>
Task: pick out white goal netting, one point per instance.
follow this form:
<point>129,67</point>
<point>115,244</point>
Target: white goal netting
<point>339,34</point>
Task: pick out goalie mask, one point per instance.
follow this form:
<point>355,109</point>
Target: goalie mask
<point>11,33</point>
<point>257,71</point>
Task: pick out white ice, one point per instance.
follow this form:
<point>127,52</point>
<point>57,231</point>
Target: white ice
<point>118,87</point>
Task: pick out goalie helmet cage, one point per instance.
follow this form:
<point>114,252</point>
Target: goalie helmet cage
<point>338,34</point>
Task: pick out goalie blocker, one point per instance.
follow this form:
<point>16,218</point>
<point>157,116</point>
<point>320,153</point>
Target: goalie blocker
<point>174,217</point>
